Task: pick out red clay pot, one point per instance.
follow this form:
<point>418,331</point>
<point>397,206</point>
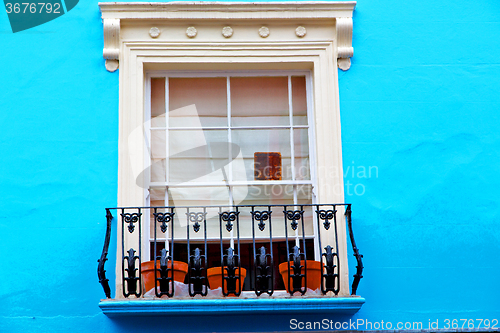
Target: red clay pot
<point>313,273</point>
<point>215,277</point>
<point>148,272</point>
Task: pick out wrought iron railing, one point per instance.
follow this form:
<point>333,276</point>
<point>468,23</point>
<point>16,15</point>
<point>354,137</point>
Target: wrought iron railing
<point>294,248</point>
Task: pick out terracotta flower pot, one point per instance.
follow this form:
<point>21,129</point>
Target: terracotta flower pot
<point>215,277</point>
<point>148,272</point>
<point>313,273</point>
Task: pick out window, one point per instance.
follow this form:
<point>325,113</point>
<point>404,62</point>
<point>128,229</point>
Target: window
<point>264,85</point>
<point>194,117</point>
<point>239,138</point>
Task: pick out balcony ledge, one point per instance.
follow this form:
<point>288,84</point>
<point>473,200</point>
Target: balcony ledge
<point>173,307</point>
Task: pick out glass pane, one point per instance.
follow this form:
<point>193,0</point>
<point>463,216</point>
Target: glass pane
<point>158,154</point>
<point>261,141</point>
<point>259,101</point>
<point>299,100</point>
<point>198,156</point>
<point>301,151</point>
<point>198,196</point>
<point>158,102</point>
<point>197,102</point>
<point>158,170</point>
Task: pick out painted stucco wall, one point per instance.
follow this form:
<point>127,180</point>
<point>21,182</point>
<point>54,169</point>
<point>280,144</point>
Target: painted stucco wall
<point>420,121</point>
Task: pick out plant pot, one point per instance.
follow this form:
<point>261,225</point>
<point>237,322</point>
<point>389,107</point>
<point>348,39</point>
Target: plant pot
<point>313,273</point>
<point>215,277</point>
<point>148,272</point>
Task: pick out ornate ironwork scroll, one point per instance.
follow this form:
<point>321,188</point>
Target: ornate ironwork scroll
<point>164,218</point>
<point>231,265</point>
<point>261,216</point>
<point>330,272</point>
<point>166,276</point>
<point>359,267</point>
<point>130,219</point>
<point>296,278</point>
<point>101,273</point>
<point>294,216</point>
<point>197,274</point>
<point>229,218</point>
<point>196,218</point>
<point>263,272</point>
<point>326,216</point>
<point>130,287</point>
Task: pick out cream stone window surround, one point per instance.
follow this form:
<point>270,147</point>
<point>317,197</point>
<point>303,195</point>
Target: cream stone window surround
<point>198,36</point>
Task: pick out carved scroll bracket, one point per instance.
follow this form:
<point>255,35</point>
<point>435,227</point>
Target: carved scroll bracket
<point>111,50</point>
<point>344,42</point>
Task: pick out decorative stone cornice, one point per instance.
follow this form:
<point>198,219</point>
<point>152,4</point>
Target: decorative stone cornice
<point>226,10</point>
<point>294,12</point>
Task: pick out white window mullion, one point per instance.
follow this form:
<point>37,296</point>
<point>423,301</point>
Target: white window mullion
<point>147,162</point>
<point>292,152</point>
<point>229,138</point>
<point>230,150</point>
<point>167,151</point>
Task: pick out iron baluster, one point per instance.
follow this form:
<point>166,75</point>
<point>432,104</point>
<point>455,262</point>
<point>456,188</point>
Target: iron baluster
<point>132,281</point>
<point>263,262</point>
<point>263,273</point>
<point>163,275</point>
<point>295,279</point>
<point>231,264</point>
<point>304,247</point>
<point>297,276</point>
<point>196,273</point>
<point>164,280</point>
<point>330,278</point>
<point>197,278</point>
<point>328,273</point>
<point>230,260</point>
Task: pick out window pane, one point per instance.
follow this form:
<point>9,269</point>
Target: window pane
<point>301,150</point>
<point>299,100</point>
<point>259,101</point>
<point>254,141</point>
<point>198,196</point>
<point>158,102</point>
<point>209,97</point>
<point>198,156</point>
<point>158,154</point>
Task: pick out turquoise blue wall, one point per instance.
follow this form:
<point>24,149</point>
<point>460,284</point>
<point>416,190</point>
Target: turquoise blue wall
<point>419,105</point>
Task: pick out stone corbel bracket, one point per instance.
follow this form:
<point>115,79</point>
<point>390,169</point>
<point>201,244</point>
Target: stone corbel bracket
<point>111,50</point>
<point>344,42</point>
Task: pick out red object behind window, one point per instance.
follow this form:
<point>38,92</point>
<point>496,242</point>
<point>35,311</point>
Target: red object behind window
<point>267,166</point>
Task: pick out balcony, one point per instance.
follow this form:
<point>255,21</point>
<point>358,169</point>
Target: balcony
<point>261,258</point>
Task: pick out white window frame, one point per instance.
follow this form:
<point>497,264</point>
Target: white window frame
<point>313,36</point>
